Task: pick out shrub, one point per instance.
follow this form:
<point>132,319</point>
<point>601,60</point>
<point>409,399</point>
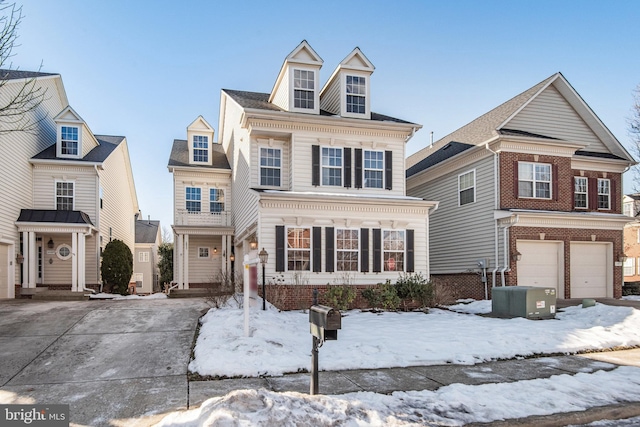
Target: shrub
<point>373,296</point>
<point>117,266</point>
<point>339,296</point>
<point>413,287</point>
<point>389,296</point>
<point>165,264</point>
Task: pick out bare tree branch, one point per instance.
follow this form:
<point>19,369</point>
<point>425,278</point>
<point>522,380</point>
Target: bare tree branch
<point>20,102</point>
<point>634,130</point>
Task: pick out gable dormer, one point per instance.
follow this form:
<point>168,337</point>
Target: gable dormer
<point>347,93</point>
<point>297,87</point>
<point>199,140</point>
<point>69,132</point>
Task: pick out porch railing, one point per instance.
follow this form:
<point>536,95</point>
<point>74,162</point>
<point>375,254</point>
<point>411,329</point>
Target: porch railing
<point>210,219</point>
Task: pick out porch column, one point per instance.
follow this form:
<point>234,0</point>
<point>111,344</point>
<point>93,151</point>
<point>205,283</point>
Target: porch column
<point>225,255</point>
<point>185,259</point>
<point>33,259</point>
<point>25,260</point>
<point>178,260</point>
<point>81,261</point>
<point>74,262</point>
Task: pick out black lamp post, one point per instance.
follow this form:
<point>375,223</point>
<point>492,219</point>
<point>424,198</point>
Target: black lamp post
<point>264,256</point>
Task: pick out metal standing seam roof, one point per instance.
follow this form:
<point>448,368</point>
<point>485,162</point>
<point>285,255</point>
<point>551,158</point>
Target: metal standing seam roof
<point>99,154</point>
<point>54,216</point>
<point>260,101</point>
<point>180,156</point>
<point>146,231</point>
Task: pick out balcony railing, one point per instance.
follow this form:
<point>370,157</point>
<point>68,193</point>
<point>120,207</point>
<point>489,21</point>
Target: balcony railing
<point>205,219</point>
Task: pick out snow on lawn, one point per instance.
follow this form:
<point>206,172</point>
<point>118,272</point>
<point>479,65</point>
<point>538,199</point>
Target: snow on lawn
<point>103,295</point>
<point>281,342</point>
<point>452,405</point>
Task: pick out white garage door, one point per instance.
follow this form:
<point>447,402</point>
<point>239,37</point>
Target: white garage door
<point>589,273</point>
<point>4,271</point>
<point>540,264</point>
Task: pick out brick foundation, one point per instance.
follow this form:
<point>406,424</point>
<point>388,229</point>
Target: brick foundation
<point>300,297</point>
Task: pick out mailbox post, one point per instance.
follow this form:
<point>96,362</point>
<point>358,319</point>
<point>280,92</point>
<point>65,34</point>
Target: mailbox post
<point>324,323</point>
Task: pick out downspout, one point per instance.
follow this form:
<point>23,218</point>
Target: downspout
<point>84,288</point>
<point>506,248</point>
<point>495,207</point>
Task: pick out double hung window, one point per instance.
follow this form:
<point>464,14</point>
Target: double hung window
<point>331,166</point>
<point>216,200</point>
<point>356,94</point>
<point>347,249</point>
<point>604,194</point>
<point>373,169</point>
<point>200,148</point>
<point>393,250</point>
<point>64,196</point>
<point>298,249</point>
<point>69,141</point>
<point>303,89</point>
<point>534,180</point>
<point>193,199</point>
<point>467,188</point>
<point>580,192</point>
<point>270,166</point>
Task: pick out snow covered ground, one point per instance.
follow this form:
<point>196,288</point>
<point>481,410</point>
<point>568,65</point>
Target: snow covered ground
<point>280,343</point>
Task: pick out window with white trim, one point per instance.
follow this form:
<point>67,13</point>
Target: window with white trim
<point>270,166</point>
<point>628,209</point>
<point>64,195</point>
<point>143,256</point>
<point>203,252</point>
<point>216,200</point>
<point>356,94</point>
<point>63,251</point>
<point>347,249</point>
<point>534,180</point>
<point>393,250</point>
<point>604,193</point>
<point>303,89</point>
<point>331,164</point>
<point>630,267</point>
<point>580,191</point>
<point>298,249</point>
<point>69,141</point>
<point>193,199</point>
<point>373,165</point>
<point>467,188</point>
<point>200,148</point>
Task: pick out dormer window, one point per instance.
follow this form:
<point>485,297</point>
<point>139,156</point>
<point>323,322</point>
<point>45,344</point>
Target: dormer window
<point>356,94</point>
<point>200,148</point>
<point>69,141</point>
<point>304,89</point>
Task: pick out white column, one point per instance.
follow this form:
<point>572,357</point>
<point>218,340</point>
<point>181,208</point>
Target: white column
<point>33,259</point>
<point>185,259</point>
<point>74,262</point>
<point>81,261</point>
<point>25,263</point>
<point>178,260</point>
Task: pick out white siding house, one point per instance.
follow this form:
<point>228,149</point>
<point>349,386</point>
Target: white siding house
<point>67,192</point>
<point>145,257</point>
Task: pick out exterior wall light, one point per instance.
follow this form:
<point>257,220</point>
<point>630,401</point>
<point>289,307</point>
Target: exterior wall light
<point>516,256</point>
<point>50,243</point>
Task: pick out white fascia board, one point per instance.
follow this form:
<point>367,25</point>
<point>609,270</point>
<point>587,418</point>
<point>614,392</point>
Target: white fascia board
<point>251,113</point>
<point>198,169</point>
<point>60,162</point>
<point>60,227</point>
<point>600,164</point>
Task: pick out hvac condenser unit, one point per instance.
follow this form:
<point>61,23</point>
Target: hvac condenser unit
<point>523,301</point>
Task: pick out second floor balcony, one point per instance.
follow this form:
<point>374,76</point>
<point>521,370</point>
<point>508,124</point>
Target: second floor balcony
<point>203,219</point>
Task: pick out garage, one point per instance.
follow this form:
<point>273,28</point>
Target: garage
<point>541,264</point>
<point>590,277</point>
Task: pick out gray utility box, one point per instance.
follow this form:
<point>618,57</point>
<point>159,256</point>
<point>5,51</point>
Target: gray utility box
<point>523,301</point>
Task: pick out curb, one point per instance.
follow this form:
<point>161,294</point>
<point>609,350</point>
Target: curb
<point>609,412</point>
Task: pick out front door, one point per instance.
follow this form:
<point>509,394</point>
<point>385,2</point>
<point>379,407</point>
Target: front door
<point>40,265</point>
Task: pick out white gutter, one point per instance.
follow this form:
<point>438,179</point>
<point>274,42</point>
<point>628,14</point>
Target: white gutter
<point>495,206</point>
<point>84,288</point>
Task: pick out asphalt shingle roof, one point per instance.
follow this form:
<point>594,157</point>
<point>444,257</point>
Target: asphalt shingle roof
<point>146,231</point>
<point>54,216</point>
<point>180,156</point>
<point>260,101</point>
<point>451,149</point>
<point>17,74</point>
<point>98,154</point>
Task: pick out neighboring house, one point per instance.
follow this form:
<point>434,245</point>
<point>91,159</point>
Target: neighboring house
<point>203,231</point>
<point>530,194</point>
<point>145,257</point>
<point>317,180</point>
<point>631,208</point>
<point>65,194</point>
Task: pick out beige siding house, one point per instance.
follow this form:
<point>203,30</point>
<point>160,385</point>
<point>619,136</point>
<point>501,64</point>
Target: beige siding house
<point>68,193</point>
<point>530,194</point>
<point>145,257</point>
<point>317,181</point>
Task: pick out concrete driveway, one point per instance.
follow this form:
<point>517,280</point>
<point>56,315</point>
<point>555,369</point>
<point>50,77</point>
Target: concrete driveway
<point>111,361</point>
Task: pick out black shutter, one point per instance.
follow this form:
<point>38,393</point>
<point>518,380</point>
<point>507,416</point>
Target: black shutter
<point>347,167</point>
<point>358,167</point>
<point>364,250</point>
<point>377,254</point>
<point>315,165</point>
<point>593,194</point>
<point>279,247</point>
<point>554,181</point>
<point>317,249</point>
<point>613,202</point>
<point>410,268</point>
<point>329,244</point>
<point>516,189</point>
<point>388,170</point>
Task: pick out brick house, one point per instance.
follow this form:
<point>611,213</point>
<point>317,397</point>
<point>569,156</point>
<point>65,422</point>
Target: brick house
<point>530,194</point>
<point>631,208</point>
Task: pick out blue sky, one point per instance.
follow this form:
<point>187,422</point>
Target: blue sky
<point>147,69</point>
